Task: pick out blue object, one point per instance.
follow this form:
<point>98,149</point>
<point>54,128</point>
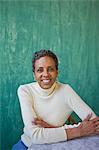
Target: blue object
<point>19,146</point>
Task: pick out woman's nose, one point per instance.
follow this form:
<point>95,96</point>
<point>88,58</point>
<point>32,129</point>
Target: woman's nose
<point>45,73</point>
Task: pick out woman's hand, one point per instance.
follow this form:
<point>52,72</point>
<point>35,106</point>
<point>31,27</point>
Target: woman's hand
<point>86,128</point>
<point>89,127</point>
<point>42,123</point>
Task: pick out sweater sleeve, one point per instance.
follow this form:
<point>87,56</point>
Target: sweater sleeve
<point>78,105</point>
<point>37,134</point>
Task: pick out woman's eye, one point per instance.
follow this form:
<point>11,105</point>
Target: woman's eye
<point>50,69</point>
<point>39,70</point>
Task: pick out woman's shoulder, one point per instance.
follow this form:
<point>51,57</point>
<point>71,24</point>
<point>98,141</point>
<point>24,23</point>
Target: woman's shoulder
<point>63,85</point>
<point>26,87</point>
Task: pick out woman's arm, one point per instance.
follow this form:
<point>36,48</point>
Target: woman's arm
<point>36,133</point>
<point>78,105</point>
<point>41,123</point>
<point>86,128</point>
<point>42,133</point>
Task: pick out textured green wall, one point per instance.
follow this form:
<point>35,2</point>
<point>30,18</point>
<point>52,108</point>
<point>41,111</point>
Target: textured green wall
<point>70,28</point>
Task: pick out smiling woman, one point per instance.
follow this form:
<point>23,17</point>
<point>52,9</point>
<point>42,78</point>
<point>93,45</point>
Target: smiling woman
<point>45,72</point>
<point>47,104</point>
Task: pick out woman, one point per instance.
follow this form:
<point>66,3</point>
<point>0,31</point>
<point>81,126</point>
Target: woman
<point>47,104</point>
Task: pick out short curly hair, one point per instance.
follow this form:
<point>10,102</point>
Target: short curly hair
<point>43,53</point>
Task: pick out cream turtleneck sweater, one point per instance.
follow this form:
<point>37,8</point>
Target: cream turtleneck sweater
<point>54,106</point>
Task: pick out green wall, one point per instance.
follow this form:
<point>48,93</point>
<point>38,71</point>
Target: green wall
<point>68,27</point>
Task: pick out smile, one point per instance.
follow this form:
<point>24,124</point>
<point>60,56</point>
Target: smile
<point>46,81</point>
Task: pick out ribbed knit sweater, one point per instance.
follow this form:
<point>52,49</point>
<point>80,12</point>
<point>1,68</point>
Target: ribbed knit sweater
<point>54,106</point>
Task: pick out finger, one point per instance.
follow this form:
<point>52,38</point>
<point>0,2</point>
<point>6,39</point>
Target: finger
<point>97,129</point>
<point>97,132</point>
<point>33,121</point>
<point>96,126</point>
<point>95,119</point>
<point>36,121</point>
<point>88,117</point>
<point>96,123</point>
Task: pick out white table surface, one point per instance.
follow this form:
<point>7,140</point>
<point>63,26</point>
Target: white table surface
<point>86,143</point>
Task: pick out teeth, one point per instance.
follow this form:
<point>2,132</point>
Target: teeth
<point>46,81</point>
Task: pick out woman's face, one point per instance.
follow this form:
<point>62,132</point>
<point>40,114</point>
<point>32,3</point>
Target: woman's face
<point>45,72</point>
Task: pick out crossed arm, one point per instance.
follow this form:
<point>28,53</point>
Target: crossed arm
<point>86,128</point>
<point>41,135</point>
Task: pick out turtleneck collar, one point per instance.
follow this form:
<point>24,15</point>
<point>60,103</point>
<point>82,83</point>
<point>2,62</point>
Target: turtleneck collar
<point>45,92</point>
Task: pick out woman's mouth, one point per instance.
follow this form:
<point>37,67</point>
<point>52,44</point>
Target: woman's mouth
<point>46,81</point>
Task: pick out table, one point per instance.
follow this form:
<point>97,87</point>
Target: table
<point>86,143</point>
